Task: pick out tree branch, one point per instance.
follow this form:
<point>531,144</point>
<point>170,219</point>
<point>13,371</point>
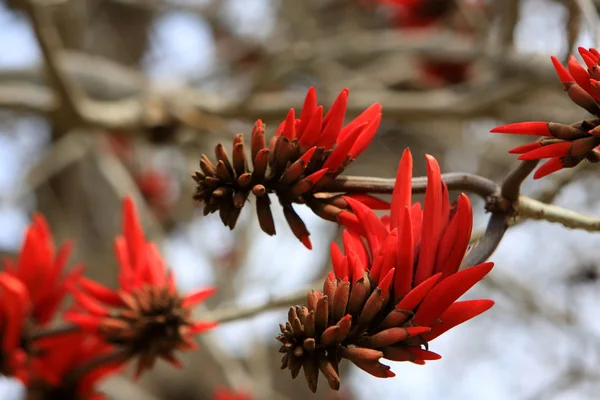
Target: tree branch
<point>533,209</point>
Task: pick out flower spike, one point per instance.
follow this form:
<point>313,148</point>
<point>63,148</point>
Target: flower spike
<point>304,155</point>
<point>565,145</point>
<point>390,294</point>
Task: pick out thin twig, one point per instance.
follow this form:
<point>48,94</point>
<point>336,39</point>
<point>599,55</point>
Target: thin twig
<point>228,314</point>
<point>118,355</point>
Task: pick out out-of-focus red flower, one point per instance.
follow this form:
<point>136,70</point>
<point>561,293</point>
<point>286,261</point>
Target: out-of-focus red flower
<point>566,145</point>
<point>59,369</point>
<point>154,186</point>
<point>41,269</point>
<point>145,315</point>
<point>305,154</point>
<point>418,13</point>
<point>226,394</point>
<point>15,306</point>
<point>390,297</point>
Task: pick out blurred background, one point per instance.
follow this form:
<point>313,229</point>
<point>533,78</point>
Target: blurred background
<point>103,98</point>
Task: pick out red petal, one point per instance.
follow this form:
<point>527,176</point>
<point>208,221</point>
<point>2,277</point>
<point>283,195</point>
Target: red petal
<point>432,224</point>
<point>581,76</point>
<point>561,71</point>
<point>552,165</point>
<point>552,150</point>
<point>342,149</point>
<point>374,230</point>
<point>289,128</point>
<point>313,130</point>
<point>366,116</point>
<point>333,121</point>
<point>402,194</point>
<point>405,257</point>
<point>201,326</point>
<point>415,296</point>
<point>524,128</point>
<point>308,110</point>
<point>525,148</point>
<point>448,291</point>
<point>458,313</point>
<point>197,297</point>
<point>337,260</point>
<point>366,137</point>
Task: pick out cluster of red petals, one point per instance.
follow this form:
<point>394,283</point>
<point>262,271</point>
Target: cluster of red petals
<point>142,271</point>
<point>40,268</point>
<point>154,186</point>
<point>307,152</point>
<point>55,372</point>
<point>226,394</point>
<point>420,14</point>
<point>413,254</point>
<point>31,289</point>
<point>566,145</point>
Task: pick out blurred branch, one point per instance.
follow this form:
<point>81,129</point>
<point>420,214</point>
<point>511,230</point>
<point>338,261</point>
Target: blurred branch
<point>48,38</point>
<point>590,13</point>
<point>533,209</point>
<point>502,208</point>
<point>228,314</point>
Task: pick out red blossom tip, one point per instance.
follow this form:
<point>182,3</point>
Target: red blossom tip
<point>564,75</point>
<point>306,242</point>
<point>552,165</point>
<point>552,150</point>
<point>525,148</point>
<point>524,128</point>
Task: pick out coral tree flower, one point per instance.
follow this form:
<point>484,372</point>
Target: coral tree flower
<point>31,290</point>
<point>307,152</point>
<point>15,306</point>
<point>146,315</point>
<point>41,269</point>
<point>390,297</point>
<point>226,394</point>
<point>60,370</point>
<point>566,145</point>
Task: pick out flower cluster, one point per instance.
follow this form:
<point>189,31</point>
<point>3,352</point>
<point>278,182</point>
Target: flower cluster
<point>144,317</point>
<point>391,293</point>
<point>566,145</point>
<point>304,155</point>
<point>431,14</point>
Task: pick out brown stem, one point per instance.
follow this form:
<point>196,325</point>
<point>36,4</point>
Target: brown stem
<point>60,330</point>
<point>76,375</point>
<point>455,181</point>
<point>498,223</point>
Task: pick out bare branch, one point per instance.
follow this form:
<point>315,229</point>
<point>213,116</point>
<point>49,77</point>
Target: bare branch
<point>533,209</point>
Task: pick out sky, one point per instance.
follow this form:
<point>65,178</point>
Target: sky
<point>497,356</point>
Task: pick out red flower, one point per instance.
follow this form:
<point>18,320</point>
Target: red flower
<point>41,269</point>
<point>566,145</point>
<point>145,315</point>
<point>59,370</point>
<point>226,394</point>
<point>305,154</point>
<point>390,297</point>
<point>15,307</point>
<point>155,187</point>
